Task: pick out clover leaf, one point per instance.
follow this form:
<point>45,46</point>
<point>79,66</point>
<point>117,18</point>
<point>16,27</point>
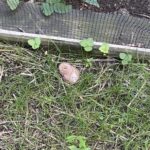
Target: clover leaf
<point>13,4</point>
<point>34,43</point>
<point>81,140</point>
<point>47,9</point>
<point>126,58</point>
<point>52,6</point>
<point>104,48</point>
<point>87,44</point>
<point>122,56</point>
<point>73,147</point>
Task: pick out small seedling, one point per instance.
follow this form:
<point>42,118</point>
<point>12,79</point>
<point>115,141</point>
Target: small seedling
<point>87,44</point>
<point>34,43</point>
<point>52,6</point>
<point>13,4</point>
<point>79,140</point>
<point>104,48</point>
<point>89,62</point>
<point>126,58</point>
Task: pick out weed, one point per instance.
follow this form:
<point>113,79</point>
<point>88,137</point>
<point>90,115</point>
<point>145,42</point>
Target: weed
<point>81,140</point>
<point>104,48</point>
<point>126,58</point>
<point>57,6</point>
<point>34,43</point>
<point>13,4</point>
<point>51,6</point>
<point>89,62</point>
<point>87,44</point>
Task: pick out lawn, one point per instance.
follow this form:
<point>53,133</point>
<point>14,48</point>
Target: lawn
<point>109,106</point>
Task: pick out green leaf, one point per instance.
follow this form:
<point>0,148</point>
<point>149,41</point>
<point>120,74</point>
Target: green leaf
<point>104,48</point>
<point>88,48</point>
<point>53,1</point>
<point>73,147</point>
<point>87,148</point>
<point>47,9</point>
<point>38,40</point>
<point>83,43</point>
<point>124,62</point>
<point>62,8</point>
<point>88,62</point>
<point>87,42</point>
<point>92,2</point>
<point>122,55</point>
<point>34,43</point>
<point>129,57</point>
<point>90,42</point>
<point>82,142</point>
<point>71,138</point>
<point>126,58</point>
<point>13,4</point>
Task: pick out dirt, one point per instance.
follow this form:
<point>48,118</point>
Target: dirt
<point>140,8</point>
<point>134,7</point>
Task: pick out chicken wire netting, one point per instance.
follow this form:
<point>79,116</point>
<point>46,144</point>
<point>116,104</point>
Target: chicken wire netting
<point>118,27</point>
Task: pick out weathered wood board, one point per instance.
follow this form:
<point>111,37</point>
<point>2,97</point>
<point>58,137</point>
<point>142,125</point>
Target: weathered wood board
<point>112,28</point>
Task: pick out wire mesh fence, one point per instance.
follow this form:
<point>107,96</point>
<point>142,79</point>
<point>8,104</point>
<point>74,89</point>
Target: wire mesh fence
<point>119,28</point>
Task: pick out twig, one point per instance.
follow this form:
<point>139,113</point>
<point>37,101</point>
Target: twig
<point>5,50</point>
<point>143,15</point>
<point>2,133</point>
<point>1,72</point>
<point>5,122</point>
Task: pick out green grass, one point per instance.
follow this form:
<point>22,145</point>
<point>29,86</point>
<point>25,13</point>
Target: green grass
<point>110,105</point>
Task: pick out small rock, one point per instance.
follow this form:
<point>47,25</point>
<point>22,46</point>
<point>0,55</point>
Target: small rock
<point>69,73</point>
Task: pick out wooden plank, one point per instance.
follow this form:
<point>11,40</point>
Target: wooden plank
<point>46,40</point>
